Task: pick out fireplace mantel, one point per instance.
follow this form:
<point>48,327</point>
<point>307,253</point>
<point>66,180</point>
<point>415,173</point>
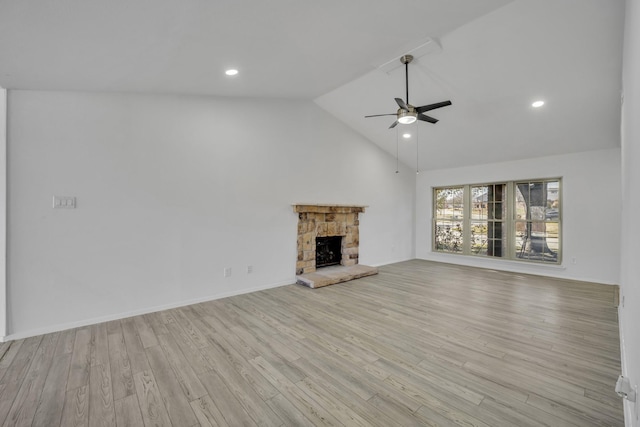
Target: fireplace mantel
<point>327,208</point>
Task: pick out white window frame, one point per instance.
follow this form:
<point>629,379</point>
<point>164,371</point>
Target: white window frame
<point>509,221</point>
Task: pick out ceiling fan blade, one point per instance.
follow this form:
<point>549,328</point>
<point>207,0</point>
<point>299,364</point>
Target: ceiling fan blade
<point>427,118</point>
<point>402,104</point>
<point>393,125</point>
<point>432,106</point>
<point>378,115</point>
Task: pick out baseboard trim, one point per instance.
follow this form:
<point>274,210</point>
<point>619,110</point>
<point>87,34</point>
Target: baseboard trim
<point>390,262</point>
<point>555,271</point>
<point>124,315</point>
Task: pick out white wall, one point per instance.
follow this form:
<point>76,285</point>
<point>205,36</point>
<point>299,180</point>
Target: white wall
<point>630,248</point>
<point>170,191</point>
<point>591,206</point>
<point>3,213</point>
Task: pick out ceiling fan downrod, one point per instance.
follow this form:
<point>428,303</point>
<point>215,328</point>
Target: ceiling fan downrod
<point>406,59</point>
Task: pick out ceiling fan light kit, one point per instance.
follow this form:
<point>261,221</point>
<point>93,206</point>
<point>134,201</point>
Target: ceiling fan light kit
<point>407,117</point>
<point>407,113</point>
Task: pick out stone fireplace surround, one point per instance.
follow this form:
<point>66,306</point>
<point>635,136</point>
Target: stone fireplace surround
<point>326,221</point>
<point>315,220</point>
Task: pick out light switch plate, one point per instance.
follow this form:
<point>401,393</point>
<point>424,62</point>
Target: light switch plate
<point>64,202</point>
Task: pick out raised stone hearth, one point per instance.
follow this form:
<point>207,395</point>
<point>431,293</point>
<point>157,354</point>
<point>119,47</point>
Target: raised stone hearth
<point>335,274</point>
<point>316,220</point>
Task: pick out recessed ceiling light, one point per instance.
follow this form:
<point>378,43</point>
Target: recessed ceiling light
<point>406,135</point>
<point>537,104</point>
<point>231,72</point>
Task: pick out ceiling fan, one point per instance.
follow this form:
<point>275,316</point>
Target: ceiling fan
<point>407,113</point>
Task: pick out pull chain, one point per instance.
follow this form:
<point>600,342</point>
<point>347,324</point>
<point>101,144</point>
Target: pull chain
<point>397,165</point>
<point>417,150</point>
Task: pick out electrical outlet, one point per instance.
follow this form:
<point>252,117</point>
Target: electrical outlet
<point>64,202</point>
<point>249,269</point>
<point>227,272</point>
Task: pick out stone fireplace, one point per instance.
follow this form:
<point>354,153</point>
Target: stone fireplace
<point>327,221</point>
<point>328,245</point>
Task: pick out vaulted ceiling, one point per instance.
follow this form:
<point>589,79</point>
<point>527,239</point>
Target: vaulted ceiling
<point>491,58</point>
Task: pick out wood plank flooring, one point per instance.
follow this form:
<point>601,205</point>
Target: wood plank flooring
<point>421,343</point>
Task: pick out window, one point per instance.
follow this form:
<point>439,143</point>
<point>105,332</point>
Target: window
<point>449,213</point>
<point>488,212</point>
<point>518,220</point>
<point>537,220</point>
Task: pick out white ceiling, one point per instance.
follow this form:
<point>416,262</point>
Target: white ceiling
<point>496,57</point>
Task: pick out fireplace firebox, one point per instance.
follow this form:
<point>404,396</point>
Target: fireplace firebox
<point>328,251</point>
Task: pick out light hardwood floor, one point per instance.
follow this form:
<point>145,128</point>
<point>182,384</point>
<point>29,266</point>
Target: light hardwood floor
<point>421,343</point>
